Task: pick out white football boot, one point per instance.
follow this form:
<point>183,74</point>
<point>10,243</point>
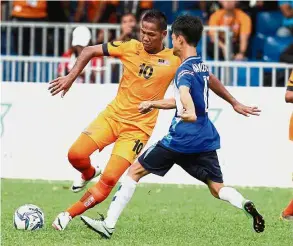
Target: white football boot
<point>79,184</point>
<point>98,226</point>
<point>61,221</point>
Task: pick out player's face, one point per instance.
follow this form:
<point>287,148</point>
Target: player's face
<point>176,44</point>
<point>127,23</point>
<point>151,36</point>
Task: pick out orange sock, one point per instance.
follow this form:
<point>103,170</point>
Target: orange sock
<point>289,209</point>
<point>100,191</point>
<point>79,155</point>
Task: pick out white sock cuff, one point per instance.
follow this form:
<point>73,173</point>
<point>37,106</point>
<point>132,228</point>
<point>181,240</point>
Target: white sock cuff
<point>129,182</point>
<point>224,190</point>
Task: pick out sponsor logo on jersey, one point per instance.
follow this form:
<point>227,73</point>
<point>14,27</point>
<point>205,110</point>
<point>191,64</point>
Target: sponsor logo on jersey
<point>163,62</point>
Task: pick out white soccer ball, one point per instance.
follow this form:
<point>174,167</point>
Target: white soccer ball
<point>28,217</point>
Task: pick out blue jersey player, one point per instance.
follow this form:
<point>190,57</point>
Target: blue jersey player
<point>192,140</point>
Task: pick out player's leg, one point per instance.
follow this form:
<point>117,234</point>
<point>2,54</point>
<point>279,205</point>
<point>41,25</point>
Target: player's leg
<point>287,214</point>
<point>291,128</point>
<point>232,196</point>
<point>121,198</point>
<point>96,194</point>
<point>79,157</point>
<point>100,133</point>
<point>205,167</point>
<point>156,160</point>
<point>130,142</point>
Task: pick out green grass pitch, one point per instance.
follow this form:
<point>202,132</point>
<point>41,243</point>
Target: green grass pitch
<point>157,215</point>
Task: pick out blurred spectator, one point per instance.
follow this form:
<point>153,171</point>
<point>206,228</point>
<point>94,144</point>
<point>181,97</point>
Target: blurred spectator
<point>79,8</point>
<point>239,23</point>
<point>95,11</point>
<point>57,12</point>
<point>134,7</point>
<point>81,37</point>
<point>33,11</point>
<point>253,7</point>
<point>287,11</point>
<point>3,6</point>
<point>129,28</point>
<point>208,8</point>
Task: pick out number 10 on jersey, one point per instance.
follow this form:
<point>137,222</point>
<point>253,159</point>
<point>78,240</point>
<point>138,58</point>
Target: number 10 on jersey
<point>146,71</point>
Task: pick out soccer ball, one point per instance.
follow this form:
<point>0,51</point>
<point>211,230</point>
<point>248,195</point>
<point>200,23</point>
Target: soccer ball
<point>28,217</point>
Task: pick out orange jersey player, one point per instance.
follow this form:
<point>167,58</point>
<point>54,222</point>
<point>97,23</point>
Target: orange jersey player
<point>289,99</point>
<point>149,68</point>
<point>288,212</point>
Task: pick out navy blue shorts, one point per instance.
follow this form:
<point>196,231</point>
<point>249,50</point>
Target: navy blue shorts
<point>202,166</point>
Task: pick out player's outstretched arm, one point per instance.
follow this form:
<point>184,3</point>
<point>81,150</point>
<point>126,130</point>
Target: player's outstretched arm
<point>217,87</point>
<point>188,113</point>
<point>147,106</point>
<point>64,83</point>
<point>289,96</point>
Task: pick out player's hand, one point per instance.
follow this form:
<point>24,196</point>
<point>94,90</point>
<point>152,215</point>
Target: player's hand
<point>145,107</point>
<point>239,57</point>
<point>187,116</point>
<point>60,84</point>
<point>245,110</point>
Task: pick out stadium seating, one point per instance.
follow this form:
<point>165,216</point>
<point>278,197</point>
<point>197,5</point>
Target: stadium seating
<point>267,23</point>
<point>241,76</point>
<point>166,7</point>
<point>273,47</point>
<point>197,13</point>
<point>257,46</point>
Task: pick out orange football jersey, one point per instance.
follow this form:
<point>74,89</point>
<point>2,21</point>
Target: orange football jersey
<point>290,83</point>
<point>146,77</point>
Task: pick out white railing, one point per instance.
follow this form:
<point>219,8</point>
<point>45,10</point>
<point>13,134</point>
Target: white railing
<point>44,69</point>
<point>251,73</point>
<point>56,36</point>
<point>236,73</point>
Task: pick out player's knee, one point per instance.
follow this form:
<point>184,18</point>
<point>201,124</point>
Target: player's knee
<point>109,180</point>
<point>76,156</point>
<point>136,171</point>
<point>104,187</point>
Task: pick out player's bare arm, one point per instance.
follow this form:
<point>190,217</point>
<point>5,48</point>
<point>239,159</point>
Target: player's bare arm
<point>147,106</point>
<point>289,96</point>
<point>217,87</point>
<point>188,114</point>
<point>64,83</point>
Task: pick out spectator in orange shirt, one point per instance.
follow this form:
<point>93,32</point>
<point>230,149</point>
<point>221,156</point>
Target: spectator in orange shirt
<point>95,11</point>
<point>81,37</point>
<point>239,23</point>
<point>32,11</point>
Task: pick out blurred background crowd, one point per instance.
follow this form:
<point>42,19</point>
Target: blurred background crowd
<point>260,30</point>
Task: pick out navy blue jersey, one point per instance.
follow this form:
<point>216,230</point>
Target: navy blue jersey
<point>201,135</point>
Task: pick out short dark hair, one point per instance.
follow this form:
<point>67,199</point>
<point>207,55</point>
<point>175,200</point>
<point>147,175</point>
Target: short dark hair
<point>190,27</point>
<point>157,17</point>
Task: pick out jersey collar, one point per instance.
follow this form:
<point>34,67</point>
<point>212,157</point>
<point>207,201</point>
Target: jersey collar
<point>191,58</point>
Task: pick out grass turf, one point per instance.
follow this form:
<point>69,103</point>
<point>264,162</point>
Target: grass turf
<point>157,215</point>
